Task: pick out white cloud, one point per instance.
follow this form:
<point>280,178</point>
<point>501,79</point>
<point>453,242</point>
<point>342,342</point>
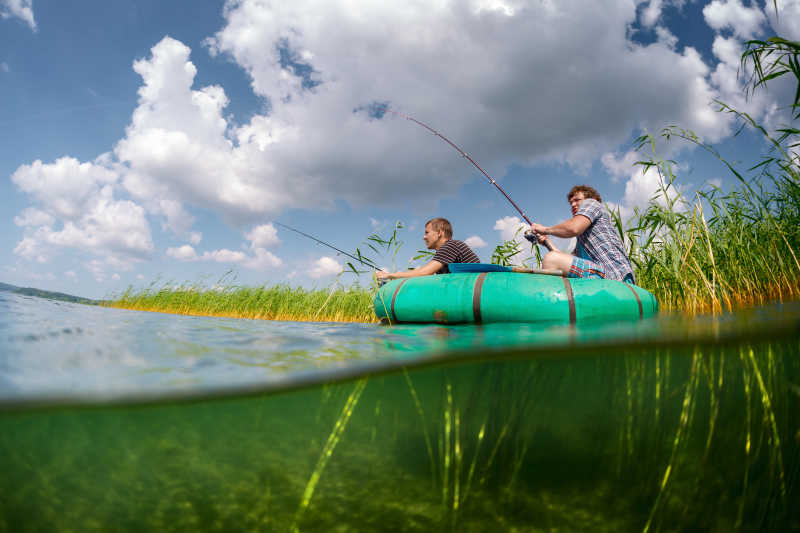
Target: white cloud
<point>117,227</point>
<point>651,13</point>
<point>785,23</point>
<point>666,37</point>
<point>30,248</point>
<point>263,236</point>
<point>509,228</point>
<point>177,218</point>
<point>727,76</point>
<point>314,141</point>
<point>115,277</point>
<point>34,217</point>
<point>75,208</point>
<point>184,253</point>
<point>260,260</point>
<point>619,167</point>
<point>224,256</point>
<point>21,9</point>
<point>195,237</point>
<point>745,22</point>
<point>4,67</point>
<point>66,187</point>
<point>640,186</point>
<point>324,267</point>
<point>728,50</point>
<point>497,6</point>
<point>765,107</point>
<point>475,242</point>
<point>177,148</point>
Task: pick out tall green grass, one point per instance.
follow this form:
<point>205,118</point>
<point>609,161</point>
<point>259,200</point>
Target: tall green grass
<point>278,302</point>
<point>721,250</point>
<point>717,250</point>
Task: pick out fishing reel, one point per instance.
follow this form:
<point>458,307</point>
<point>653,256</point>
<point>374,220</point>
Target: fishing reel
<point>531,237</point>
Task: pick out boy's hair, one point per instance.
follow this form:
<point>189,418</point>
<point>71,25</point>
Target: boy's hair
<point>443,225</point>
<point>588,192</point>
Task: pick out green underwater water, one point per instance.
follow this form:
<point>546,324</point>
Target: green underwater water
<point>690,437</point>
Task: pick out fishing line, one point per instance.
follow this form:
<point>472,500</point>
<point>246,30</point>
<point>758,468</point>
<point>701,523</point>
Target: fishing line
<point>363,260</point>
<point>528,234</point>
<point>468,158</point>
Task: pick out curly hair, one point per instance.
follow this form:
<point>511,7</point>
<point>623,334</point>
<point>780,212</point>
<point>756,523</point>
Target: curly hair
<point>588,192</point>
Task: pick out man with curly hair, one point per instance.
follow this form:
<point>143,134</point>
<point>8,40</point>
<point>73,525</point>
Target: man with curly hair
<point>599,252</point>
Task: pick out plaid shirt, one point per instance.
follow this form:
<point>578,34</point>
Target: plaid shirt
<point>601,243</point>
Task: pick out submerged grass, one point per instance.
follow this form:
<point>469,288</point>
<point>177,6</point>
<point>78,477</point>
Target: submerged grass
<point>602,439</point>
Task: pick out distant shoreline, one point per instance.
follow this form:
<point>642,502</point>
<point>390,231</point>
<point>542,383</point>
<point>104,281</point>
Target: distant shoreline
<point>31,291</point>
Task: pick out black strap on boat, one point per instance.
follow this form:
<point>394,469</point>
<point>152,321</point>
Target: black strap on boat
<point>394,297</point>
<point>571,299</point>
<point>638,300</point>
<point>476,297</point>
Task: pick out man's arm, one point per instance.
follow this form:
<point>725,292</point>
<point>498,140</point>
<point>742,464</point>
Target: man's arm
<point>569,228</point>
<point>431,267</point>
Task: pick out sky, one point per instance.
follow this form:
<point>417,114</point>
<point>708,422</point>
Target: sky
<point>158,141</point>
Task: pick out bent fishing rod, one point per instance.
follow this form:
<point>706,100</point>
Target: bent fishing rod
<point>363,260</point>
<point>469,158</point>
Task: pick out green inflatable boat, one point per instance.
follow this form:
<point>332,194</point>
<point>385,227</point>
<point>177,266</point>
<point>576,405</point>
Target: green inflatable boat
<point>485,297</point>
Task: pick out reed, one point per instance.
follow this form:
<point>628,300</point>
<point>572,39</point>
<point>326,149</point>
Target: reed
<point>722,250</point>
<point>277,302</point>
<point>719,250</point>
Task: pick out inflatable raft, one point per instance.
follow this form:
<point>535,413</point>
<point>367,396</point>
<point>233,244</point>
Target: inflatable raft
<point>485,297</point>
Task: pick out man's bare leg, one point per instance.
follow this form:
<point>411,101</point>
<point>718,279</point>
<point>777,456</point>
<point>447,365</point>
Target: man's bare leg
<point>557,260</point>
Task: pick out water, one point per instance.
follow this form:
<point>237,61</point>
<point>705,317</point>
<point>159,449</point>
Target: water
<point>127,421</point>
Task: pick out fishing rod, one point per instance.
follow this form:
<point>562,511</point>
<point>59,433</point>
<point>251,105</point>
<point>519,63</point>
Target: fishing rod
<point>528,235</point>
<point>468,158</point>
<point>363,260</point>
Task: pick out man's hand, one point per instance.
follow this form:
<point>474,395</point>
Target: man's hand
<point>534,238</point>
<point>537,235</point>
<point>539,229</point>
<point>381,275</point>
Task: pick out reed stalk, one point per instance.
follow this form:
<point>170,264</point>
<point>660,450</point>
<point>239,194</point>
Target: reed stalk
<point>327,451</point>
<point>680,435</point>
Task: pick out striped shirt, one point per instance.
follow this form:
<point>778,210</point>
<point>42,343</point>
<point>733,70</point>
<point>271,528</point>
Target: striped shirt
<point>454,251</point>
<point>601,243</point>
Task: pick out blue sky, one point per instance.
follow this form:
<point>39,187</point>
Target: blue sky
<point>158,140</point>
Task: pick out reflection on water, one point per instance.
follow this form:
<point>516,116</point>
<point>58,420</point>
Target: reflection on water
<point>662,426</point>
